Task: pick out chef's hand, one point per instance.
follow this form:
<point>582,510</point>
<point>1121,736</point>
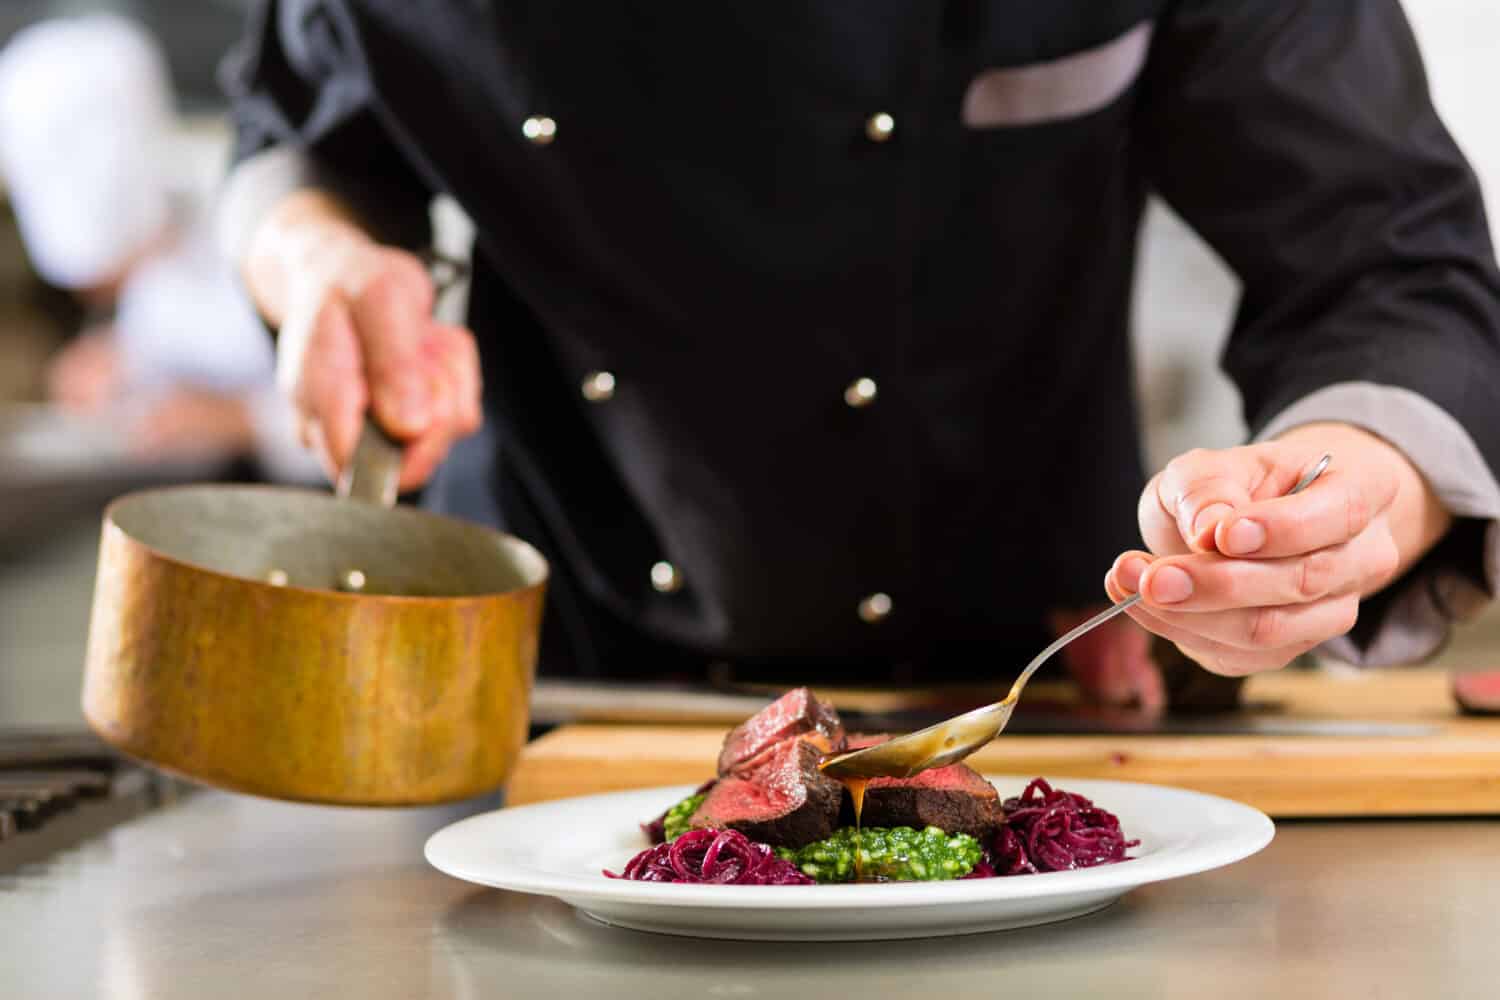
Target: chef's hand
<point>356,331</point>
<point>1111,664</point>
<point>1244,578</point>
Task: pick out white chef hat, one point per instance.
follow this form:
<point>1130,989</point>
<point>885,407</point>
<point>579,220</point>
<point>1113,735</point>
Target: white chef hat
<point>85,111</point>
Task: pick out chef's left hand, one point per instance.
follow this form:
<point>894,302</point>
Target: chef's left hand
<point>1244,578</point>
<point>1111,664</point>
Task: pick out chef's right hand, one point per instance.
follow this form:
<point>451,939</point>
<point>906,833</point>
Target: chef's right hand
<point>357,331</point>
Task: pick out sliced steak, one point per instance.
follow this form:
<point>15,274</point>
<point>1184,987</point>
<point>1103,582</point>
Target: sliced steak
<point>781,799</point>
<point>955,799</point>
<point>798,713</point>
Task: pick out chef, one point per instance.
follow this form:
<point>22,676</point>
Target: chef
<point>797,334</point>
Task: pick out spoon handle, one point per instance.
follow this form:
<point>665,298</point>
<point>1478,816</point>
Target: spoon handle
<point>1109,612</point>
<point>372,473</point>
<point>1067,637</point>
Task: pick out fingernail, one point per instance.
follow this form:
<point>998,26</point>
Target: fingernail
<point>1244,537</point>
<point>1130,574</point>
<point>1210,516</point>
<point>1171,585</point>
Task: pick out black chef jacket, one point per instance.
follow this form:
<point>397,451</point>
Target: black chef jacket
<point>701,226</point>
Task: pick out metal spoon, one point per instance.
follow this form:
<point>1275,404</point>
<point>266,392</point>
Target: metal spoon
<point>951,741</point>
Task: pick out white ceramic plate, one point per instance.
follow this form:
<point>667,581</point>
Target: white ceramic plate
<point>559,849</point>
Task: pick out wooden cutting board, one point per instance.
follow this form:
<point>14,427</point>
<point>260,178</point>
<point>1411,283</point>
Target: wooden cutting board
<point>1453,769</point>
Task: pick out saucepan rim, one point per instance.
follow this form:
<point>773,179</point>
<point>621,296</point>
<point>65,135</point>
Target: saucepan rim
<point>527,560</point>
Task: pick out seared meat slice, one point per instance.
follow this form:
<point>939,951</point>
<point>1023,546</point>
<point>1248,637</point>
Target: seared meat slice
<point>780,798</point>
<point>798,713</point>
<point>955,799</point>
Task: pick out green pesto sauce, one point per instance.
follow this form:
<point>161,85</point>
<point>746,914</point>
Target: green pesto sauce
<point>676,823</point>
<point>895,854</point>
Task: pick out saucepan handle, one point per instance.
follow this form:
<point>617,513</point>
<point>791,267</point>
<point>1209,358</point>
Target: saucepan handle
<point>372,474</point>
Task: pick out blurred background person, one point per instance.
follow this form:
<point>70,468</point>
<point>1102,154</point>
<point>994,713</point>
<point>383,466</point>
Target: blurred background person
<point>170,354</point>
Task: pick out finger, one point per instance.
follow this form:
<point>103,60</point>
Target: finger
<point>1158,526</point>
<point>424,454</point>
<point>1333,510</point>
<point>422,458</point>
<point>304,431</point>
<point>1239,662</point>
<point>1209,582</point>
<point>453,347</point>
<point>1216,657</point>
<point>1269,627</point>
<point>392,314</point>
<point>443,395</point>
<point>1125,575</point>
<point>1186,638</point>
<point>1200,488</point>
<point>320,451</point>
<point>330,389</point>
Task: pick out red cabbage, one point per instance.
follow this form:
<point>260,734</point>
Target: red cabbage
<point>719,857</point>
<point>1045,830</point>
<point>1049,830</point>
<point>982,870</point>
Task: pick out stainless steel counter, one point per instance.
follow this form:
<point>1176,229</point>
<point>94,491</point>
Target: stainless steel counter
<point>227,897</point>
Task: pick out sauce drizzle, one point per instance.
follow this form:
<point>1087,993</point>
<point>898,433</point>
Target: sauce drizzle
<point>856,787</point>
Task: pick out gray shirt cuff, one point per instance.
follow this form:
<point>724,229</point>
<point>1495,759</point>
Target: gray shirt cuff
<point>258,183</point>
<point>1419,617</point>
<point>252,190</point>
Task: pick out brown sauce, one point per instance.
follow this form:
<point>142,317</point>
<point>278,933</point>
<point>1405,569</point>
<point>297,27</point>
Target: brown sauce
<point>857,796</point>
<point>856,788</point>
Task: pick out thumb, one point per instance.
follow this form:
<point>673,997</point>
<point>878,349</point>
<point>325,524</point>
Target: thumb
<point>392,313</point>
<point>1195,492</point>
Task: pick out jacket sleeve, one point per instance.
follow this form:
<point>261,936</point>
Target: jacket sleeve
<point>305,112</point>
<point>1299,140</point>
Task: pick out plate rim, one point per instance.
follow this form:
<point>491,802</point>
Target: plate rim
<point>1258,832</point>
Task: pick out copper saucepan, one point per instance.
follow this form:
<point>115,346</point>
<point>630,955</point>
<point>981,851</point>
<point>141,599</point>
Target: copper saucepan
<point>292,644</point>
